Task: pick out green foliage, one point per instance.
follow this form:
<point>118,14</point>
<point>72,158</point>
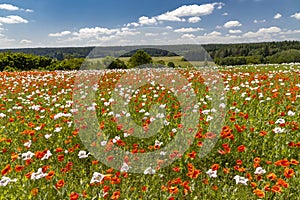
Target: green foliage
<point>139,58</point>
<point>161,62</point>
<point>23,62</point>
<point>287,56</point>
<point>117,64</point>
<point>171,65</point>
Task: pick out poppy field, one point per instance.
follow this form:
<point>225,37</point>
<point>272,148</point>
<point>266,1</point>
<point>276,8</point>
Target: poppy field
<point>44,153</point>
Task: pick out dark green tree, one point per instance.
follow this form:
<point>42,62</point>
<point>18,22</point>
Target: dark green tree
<point>140,58</point>
<point>117,64</point>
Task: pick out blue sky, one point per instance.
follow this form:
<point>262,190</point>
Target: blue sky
<point>48,23</point>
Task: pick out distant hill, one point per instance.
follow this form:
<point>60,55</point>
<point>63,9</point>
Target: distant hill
<point>222,54</point>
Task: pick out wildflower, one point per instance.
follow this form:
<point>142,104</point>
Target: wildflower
<point>212,173</point>
<point>5,180</point>
<point>74,196</point>
<point>259,193</point>
<point>97,177</point>
<point>124,167</point>
<point>149,170</point>
<point>259,170</point>
<point>6,170</point>
<point>60,184</point>
<point>280,121</point>
<point>278,130</point>
<point>28,144</point>
<point>83,154</point>
<point>47,155</point>
<point>239,179</point>
<point>28,155</point>
<point>37,175</point>
<point>288,173</point>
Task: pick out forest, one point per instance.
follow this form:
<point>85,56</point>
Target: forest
<point>70,58</point>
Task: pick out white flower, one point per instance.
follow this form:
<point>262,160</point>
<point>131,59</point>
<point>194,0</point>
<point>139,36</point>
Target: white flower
<point>5,180</point>
<point>116,139</point>
<point>174,130</point>
<point>124,167</point>
<point>47,136</point>
<point>28,155</point>
<point>280,121</point>
<point>158,143</point>
<point>290,113</point>
<point>103,143</point>
<point>83,154</point>
<point>211,173</point>
<point>239,179</point>
<point>47,155</point>
<point>57,129</point>
<point>259,170</point>
<point>149,170</point>
<point>2,115</point>
<point>97,177</point>
<point>28,144</point>
<point>37,175</point>
<point>278,130</point>
<point>162,153</point>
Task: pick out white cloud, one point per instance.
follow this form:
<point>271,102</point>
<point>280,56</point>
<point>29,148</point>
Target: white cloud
<point>263,32</point>
<point>188,36</point>
<point>134,24</point>
<point>231,24</point>
<point>95,31</point>
<point>194,19</point>
<point>60,34</point>
<point>214,33</point>
<point>187,30</point>
<point>11,7</point>
<point>146,20</point>
<point>178,15</point>
<point>296,15</point>
<point>12,19</point>
<point>168,17</point>
<point>259,21</point>
<point>127,33</point>
<point>8,7</point>
<point>24,41</point>
<point>169,27</point>
<point>225,14</point>
<point>235,31</point>
<point>195,10</point>
<point>277,16</point>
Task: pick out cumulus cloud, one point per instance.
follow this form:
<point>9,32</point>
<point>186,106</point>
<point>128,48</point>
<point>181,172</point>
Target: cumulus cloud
<point>192,12</point>
<point>296,15</point>
<point>235,31</point>
<point>225,14</point>
<point>92,32</point>
<point>231,24</point>
<point>187,30</point>
<point>194,19</point>
<point>8,7</point>
<point>147,21</point>
<point>188,36</point>
<point>214,33</point>
<point>263,32</point>
<point>60,34</point>
<point>277,16</point>
<point>11,7</point>
<point>12,19</point>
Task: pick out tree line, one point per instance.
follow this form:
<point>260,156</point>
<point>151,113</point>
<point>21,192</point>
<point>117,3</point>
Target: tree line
<point>74,58</point>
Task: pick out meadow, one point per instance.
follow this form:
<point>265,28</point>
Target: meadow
<point>45,154</point>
